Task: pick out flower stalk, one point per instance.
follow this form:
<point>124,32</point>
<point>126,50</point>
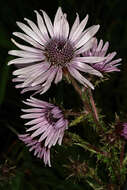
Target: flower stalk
<point>88,108</point>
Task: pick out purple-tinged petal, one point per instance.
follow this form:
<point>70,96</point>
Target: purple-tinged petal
<point>89,59</point>
<point>75,25</point>
<point>42,26</point>
<point>87,36</point>
<point>79,29</point>
<point>86,68</point>
<point>48,23</point>
<point>86,46</point>
<point>79,77</point>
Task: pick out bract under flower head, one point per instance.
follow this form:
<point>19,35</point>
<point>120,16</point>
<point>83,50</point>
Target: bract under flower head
<point>56,47</point>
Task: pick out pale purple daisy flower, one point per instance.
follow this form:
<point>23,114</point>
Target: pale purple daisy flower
<point>55,48</point>
<point>107,65</point>
<point>47,120</point>
<point>39,150</point>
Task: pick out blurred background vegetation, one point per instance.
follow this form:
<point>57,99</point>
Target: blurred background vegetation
<point>19,170</point>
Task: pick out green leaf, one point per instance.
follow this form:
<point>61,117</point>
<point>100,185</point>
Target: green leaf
<point>77,120</point>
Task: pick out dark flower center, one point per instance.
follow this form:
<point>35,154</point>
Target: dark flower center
<point>59,51</point>
<point>50,118</point>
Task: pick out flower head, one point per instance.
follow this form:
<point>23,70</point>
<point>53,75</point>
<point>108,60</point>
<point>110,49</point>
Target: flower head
<point>46,127</point>
<point>54,48</point>
<point>107,65</point>
<point>39,150</point>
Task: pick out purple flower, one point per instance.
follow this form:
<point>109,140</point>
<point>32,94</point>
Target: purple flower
<point>54,48</point>
<point>107,65</point>
<point>46,127</point>
<point>39,150</point>
<point>124,130</point>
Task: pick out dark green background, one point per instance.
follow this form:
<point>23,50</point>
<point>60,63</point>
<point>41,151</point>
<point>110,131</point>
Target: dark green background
<point>111,96</point>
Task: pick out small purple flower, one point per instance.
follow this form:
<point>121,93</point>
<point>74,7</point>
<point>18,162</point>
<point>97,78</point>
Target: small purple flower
<point>98,49</point>
<point>54,48</point>
<point>39,150</point>
<point>124,130</point>
<point>47,126</point>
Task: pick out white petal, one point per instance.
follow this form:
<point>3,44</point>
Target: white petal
<point>94,46</point>
<point>31,78</point>
<point>43,77</point>
<point>24,60</point>
<point>104,49</point>
<point>26,48</point>
<point>35,127</point>
<point>116,61</point>
<point>110,56</point>
<point>40,102</point>
<point>42,26</point>
<point>56,137</point>
<point>86,47</point>
<point>58,28</point>
<point>36,88</point>
<point>90,59</point>
<point>100,45</point>
<point>52,75</point>
<point>79,29</point>
<point>45,134</point>
<point>35,29</point>
<point>28,39</point>
<point>61,138</point>
<point>47,84</point>
<point>49,138</point>
<point>58,15</point>
<point>35,121</point>
<point>75,25</point>
<point>58,75</point>
<point>39,131</point>
<point>87,36</point>
<point>63,30</point>
<point>85,68</point>
<point>31,115</point>
<point>29,32</point>
<point>45,88</point>
<point>32,110</point>
<point>25,54</point>
<point>79,77</point>
<point>26,70</point>
<point>48,23</point>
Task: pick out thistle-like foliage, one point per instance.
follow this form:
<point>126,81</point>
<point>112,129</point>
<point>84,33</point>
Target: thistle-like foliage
<point>107,65</point>
<point>54,49</point>
<point>46,127</point>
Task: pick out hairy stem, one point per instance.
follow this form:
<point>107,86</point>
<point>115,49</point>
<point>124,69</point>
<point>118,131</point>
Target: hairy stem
<point>93,104</point>
<point>86,104</point>
<point>71,113</point>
